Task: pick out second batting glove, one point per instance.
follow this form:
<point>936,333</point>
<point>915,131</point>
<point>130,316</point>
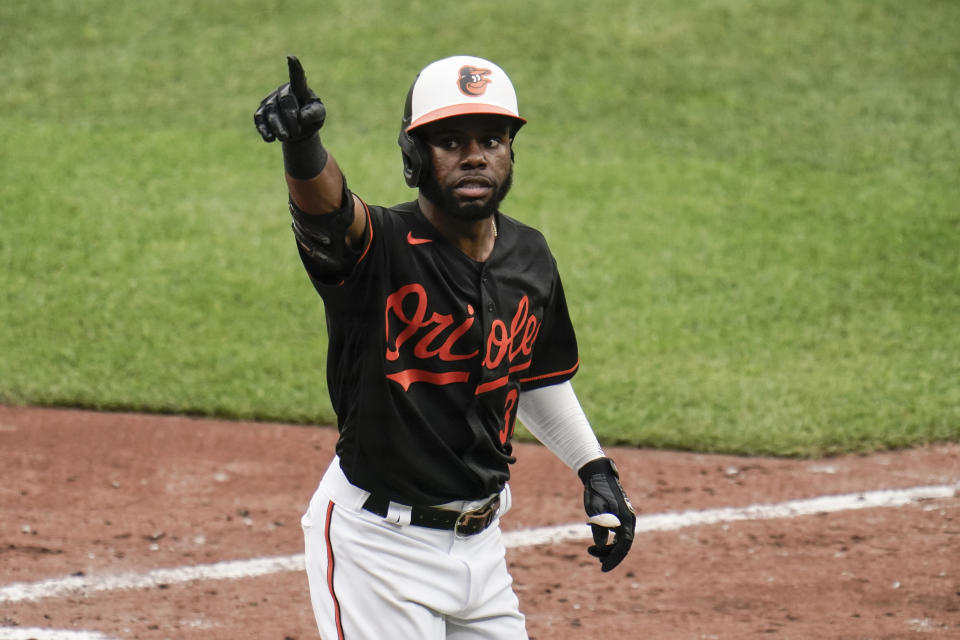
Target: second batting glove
<point>609,511</point>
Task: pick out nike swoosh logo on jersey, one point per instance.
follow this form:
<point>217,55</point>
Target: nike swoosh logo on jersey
<point>415,241</point>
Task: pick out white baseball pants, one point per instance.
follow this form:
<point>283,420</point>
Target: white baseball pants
<point>373,578</point>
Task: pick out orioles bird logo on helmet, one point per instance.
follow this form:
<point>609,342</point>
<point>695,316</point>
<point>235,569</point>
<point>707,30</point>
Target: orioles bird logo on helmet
<point>473,80</point>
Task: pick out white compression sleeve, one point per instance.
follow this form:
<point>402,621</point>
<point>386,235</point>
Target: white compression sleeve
<point>554,416</point>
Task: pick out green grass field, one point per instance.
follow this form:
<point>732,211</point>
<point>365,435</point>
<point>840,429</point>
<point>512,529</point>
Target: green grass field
<point>754,205</point>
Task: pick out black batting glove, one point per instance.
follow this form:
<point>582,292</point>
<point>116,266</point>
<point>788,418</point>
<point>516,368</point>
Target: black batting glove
<point>609,511</point>
<point>293,112</point>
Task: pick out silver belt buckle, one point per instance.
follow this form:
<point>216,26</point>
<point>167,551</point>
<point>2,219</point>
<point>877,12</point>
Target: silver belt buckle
<point>473,522</point>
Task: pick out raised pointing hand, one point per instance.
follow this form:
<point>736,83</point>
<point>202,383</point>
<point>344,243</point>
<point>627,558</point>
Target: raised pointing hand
<point>291,113</point>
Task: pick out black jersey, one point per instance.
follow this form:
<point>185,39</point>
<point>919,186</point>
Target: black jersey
<point>429,350</point>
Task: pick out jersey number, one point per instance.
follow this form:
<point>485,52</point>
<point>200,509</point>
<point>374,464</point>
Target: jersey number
<point>509,415</point>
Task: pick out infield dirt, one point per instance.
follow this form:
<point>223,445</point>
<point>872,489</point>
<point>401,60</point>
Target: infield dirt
<point>98,494</point>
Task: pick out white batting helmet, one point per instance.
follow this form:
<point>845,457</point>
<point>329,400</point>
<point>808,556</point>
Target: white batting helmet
<point>460,85</point>
<point>454,86</point>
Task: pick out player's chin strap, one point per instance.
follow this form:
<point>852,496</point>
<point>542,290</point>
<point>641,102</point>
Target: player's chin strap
<point>323,237</point>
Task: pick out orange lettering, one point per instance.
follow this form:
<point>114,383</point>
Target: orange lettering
<point>511,343</point>
<point>436,325</point>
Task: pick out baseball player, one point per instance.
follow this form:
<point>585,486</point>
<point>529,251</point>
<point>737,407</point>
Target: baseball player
<point>446,321</point>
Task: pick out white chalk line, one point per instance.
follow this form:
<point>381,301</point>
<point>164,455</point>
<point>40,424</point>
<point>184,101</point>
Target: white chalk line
<point>237,569</point>
<point>790,509</point>
<point>34,633</point>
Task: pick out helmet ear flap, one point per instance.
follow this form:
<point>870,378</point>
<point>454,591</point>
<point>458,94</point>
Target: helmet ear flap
<point>416,159</point>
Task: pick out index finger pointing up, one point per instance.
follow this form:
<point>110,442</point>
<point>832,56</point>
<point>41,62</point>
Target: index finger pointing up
<point>298,80</point>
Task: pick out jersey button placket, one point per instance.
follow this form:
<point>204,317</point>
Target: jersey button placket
<point>485,293</point>
<point>490,310</point>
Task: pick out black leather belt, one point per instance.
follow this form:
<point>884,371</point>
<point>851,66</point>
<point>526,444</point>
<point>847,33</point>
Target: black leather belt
<point>464,523</point>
